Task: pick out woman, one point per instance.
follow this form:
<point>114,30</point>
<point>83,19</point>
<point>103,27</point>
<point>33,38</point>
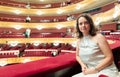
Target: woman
<point>93,52</point>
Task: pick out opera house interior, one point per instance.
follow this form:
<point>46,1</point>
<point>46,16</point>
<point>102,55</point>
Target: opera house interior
<point>37,37</point>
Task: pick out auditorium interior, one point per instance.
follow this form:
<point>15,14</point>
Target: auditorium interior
<point>37,37</point>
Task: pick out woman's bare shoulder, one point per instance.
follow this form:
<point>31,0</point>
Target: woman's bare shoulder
<point>100,37</point>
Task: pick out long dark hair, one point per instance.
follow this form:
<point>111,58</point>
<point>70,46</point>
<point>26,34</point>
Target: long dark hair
<point>93,29</point>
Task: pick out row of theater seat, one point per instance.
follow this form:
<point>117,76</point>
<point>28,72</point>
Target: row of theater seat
<point>12,19</point>
<point>9,53</point>
<point>40,46</point>
<point>111,36</point>
<point>11,4</point>
<point>33,20</point>
<point>51,35</point>
<point>33,52</point>
<point>12,36</point>
<point>114,37</point>
<point>55,5</point>
<point>60,35</point>
<point>52,5</point>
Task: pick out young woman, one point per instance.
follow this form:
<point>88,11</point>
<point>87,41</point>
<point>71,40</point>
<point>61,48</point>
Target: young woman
<point>93,52</point>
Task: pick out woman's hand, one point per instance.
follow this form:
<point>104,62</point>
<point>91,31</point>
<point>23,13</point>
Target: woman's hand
<point>84,67</point>
<point>90,71</point>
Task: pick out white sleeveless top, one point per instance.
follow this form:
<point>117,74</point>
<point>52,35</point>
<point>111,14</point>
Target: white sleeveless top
<point>91,55</point>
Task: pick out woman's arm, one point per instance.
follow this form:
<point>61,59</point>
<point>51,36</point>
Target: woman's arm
<point>105,48</point>
<point>83,66</point>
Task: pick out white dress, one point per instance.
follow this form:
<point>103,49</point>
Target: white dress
<point>91,55</point>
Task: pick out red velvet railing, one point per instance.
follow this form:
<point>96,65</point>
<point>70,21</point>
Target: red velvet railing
<point>41,67</point>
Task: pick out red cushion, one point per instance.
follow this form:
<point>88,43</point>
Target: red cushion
<point>102,75</point>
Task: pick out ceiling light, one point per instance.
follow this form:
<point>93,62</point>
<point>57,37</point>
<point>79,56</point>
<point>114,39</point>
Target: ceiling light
<point>17,11</point>
<point>41,0</point>
<point>56,44</point>
<point>13,43</point>
<point>60,11</point>
<point>59,26</point>
<point>36,43</point>
<point>17,27</point>
<point>97,21</point>
<point>26,60</point>
<point>74,45</point>
<point>3,63</point>
<point>78,6</point>
<point>116,12</point>
<point>39,27</point>
<point>39,12</point>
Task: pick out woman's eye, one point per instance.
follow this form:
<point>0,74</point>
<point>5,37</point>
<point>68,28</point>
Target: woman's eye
<point>83,23</point>
<point>80,23</point>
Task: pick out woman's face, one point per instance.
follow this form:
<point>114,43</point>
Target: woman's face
<point>84,25</point>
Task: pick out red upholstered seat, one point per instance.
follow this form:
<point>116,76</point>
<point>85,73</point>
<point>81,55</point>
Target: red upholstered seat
<point>103,75</point>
